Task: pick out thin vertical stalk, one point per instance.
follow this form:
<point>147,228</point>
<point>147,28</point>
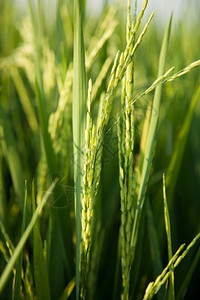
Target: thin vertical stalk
<point>16,292</point>
<point>171,295</point>
<point>79,123</point>
<point>151,139</point>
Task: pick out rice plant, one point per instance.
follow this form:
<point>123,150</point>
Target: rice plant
<point>99,160</point>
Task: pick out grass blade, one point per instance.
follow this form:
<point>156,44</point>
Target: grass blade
<point>151,137</point>
<point>79,123</point>
<point>20,245</point>
<point>169,241</point>
<point>41,278</point>
<point>19,263</point>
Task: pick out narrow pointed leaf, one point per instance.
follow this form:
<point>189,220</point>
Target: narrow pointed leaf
<point>151,139</point>
<point>79,121</point>
<point>19,263</point>
<point>169,241</point>
<point>41,277</point>
<point>20,245</point>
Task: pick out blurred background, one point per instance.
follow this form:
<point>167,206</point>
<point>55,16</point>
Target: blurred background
<point>162,7</point>
<point>17,54</point>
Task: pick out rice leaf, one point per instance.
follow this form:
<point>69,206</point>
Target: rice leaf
<point>41,277</point>
<point>8,269</point>
<point>79,123</point>
<point>151,139</point>
<point>19,263</point>
<point>169,241</point>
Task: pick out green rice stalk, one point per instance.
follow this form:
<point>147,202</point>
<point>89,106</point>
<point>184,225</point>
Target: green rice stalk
<point>116,75</point>
<point>154,287</point>
<point>79,124</point>
<point>17,285</point>
<point>104,33</point>
<point>150,140</point>
<point>9,267</point>
<point>117,72</point>
<point>185,70</point>
<point>126,172</point>
<point>87,198</point>
<point>91,177</point>
<point>164,78</point>
<point>136,23</point>
<point>158,81</point>
<point>131,48</point>
<point>169,241</point>
<point>41,277</point>
<point>161,80</point>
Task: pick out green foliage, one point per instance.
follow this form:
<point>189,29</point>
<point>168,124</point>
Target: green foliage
<point>41,278</point>
<point>97,157</point>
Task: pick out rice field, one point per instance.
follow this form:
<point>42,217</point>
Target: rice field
<point>99,153</point>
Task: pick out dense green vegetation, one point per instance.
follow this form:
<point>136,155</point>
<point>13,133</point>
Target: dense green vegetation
<point>99,154</point>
